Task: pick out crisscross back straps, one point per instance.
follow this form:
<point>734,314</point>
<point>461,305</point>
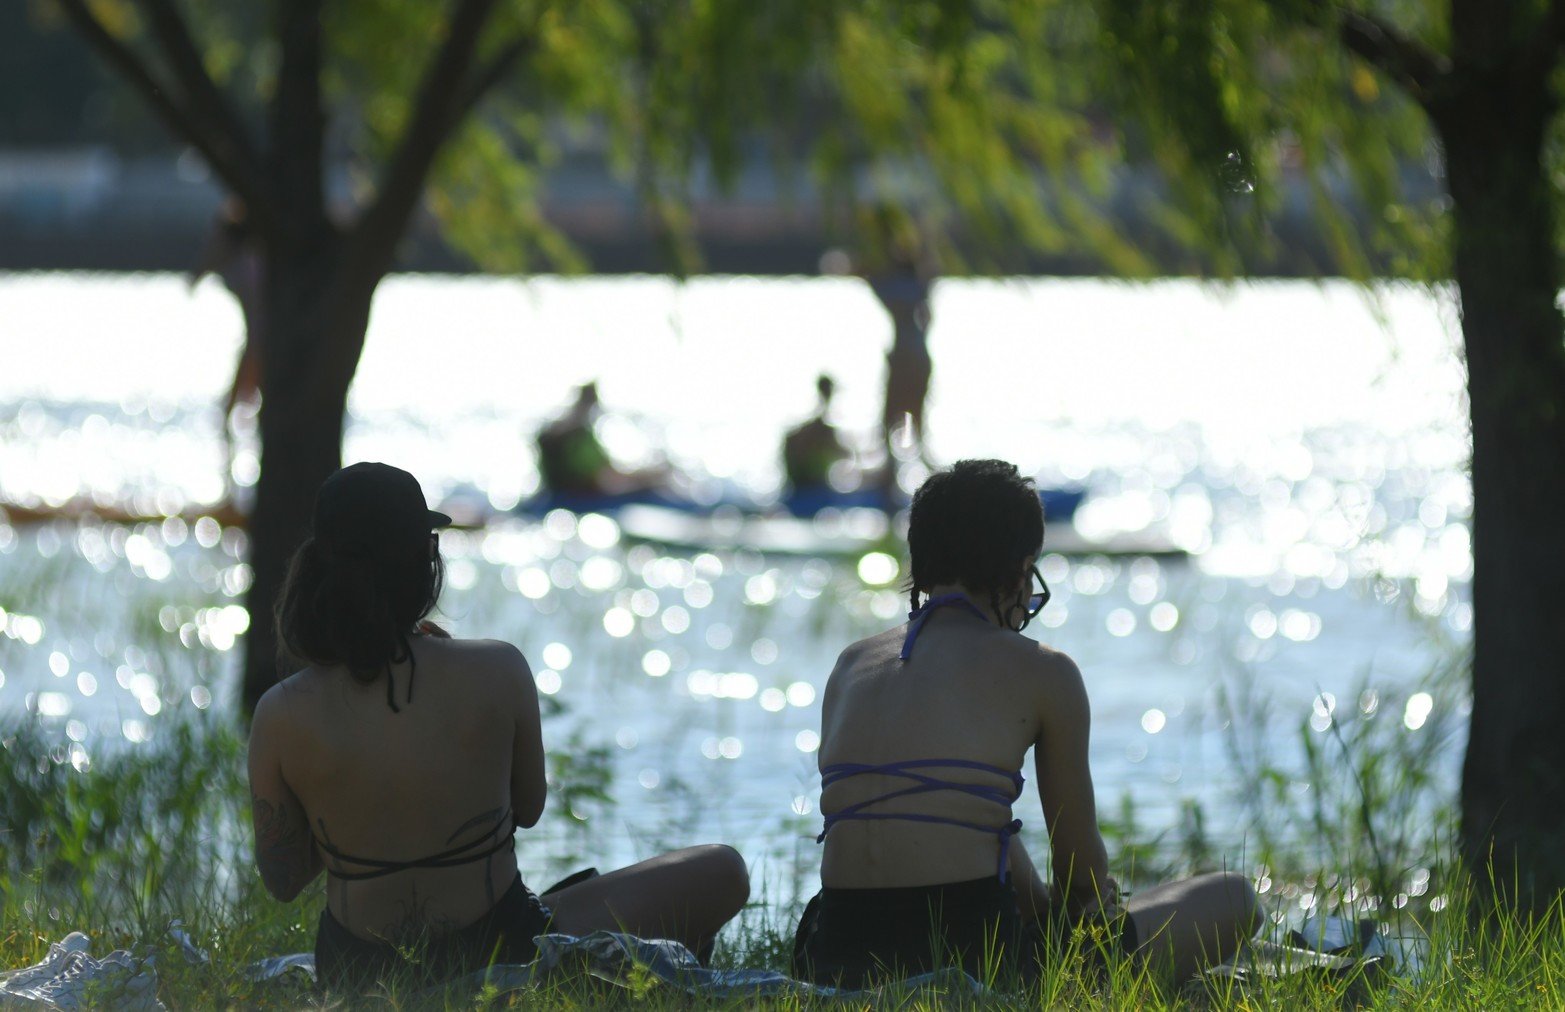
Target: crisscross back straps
<point>924,783</point>
<point>463,854</point>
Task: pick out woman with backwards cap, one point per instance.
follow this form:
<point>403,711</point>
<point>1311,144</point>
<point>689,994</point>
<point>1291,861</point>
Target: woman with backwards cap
<point>401,761</point>
<point>924,728</point>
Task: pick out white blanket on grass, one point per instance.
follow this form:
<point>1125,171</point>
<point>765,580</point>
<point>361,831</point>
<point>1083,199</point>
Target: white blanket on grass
<point>71,979</point>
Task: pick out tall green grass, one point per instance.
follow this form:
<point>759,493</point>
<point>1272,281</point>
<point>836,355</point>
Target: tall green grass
<point>148,836</point>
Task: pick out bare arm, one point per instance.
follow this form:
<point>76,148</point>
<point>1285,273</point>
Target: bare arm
<point>528,786</point>
<point>1080,861</point>
<point>285,852</point>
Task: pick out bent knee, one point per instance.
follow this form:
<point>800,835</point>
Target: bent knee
<point>1239,899</point>
<point>726,874</point>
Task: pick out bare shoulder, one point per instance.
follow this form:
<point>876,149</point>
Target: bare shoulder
<point>277,705</point>
<point>1050,662</point>
<point>494,668</point>
<point>497,654</point>
<point>857,650</point>
<point>855,657</point>
<point>274,726</point>
<point>869,650</point>
<point>1051,670</point>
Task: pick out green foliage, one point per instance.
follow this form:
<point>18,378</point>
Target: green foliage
<point>126,832</point>
<point>961,115</point>
<point>1237,99</point>
<point>580,777</point>
<point>1363,797</point>
<point>979,118</point>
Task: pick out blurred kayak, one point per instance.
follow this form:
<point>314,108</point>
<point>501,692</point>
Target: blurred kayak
<point>843,532</point>
<point>1059,504</point>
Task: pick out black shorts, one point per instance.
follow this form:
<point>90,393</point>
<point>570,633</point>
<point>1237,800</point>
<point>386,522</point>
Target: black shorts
<point>344,961</point>
<point>857,938</point>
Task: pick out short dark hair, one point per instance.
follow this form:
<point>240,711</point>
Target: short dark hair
<point>356,608</point>
<point>970,525</point>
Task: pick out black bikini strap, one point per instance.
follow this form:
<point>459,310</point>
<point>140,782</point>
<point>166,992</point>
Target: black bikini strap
<point>461,854</point>
<point>383,868</point>
<point>407,651</point>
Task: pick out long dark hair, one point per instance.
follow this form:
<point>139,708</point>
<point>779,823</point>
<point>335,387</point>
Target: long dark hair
<point>971,525</point>
<point>356,608</point>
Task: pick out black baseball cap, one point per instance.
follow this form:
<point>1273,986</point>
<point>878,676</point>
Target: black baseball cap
<point>370,503</point>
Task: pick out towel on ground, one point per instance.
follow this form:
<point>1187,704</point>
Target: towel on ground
<point>70,979</point>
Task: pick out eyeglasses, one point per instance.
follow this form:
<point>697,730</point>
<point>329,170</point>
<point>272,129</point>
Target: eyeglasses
<point>1040,597</point>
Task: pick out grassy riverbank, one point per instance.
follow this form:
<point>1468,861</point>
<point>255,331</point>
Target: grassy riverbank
<point>145,837</point>
<point>123,807</point>
<point>1506,964</point>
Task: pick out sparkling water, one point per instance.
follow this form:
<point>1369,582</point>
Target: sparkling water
<point>1307,442</point>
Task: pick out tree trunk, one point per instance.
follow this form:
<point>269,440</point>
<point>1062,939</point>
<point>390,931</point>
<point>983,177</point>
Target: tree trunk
<point>1513,779</point>
<point>317,316</point>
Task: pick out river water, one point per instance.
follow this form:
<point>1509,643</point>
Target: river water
<point>1307,442</point>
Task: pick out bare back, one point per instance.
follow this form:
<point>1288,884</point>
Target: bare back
<point>969,691</point>
<point>447,772</point>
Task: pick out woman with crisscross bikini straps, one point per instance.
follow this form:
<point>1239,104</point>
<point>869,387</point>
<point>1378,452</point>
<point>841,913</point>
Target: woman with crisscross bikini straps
<point>924,730</point>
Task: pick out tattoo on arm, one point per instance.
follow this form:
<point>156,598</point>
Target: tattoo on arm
<point>283,862</point>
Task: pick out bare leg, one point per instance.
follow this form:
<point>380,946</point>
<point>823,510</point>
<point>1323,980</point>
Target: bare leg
<point>1196,922</point>
<point>907,386</point>
<point>686,895</point>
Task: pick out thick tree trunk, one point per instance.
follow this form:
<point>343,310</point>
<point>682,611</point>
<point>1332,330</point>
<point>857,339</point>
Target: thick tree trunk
<point>1513,779</point>
<point>318,319</point>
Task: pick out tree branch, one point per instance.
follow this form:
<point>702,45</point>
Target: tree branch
<point>490,75</point>
<point>202,95</point>
<point>298,120</point>
<point>1417,68</point>
<point>176,117</point>
<point>1548,44</point>
<point>434,117</point>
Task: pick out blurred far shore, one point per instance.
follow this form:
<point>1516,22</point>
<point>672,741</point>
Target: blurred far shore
<point>93,207</point>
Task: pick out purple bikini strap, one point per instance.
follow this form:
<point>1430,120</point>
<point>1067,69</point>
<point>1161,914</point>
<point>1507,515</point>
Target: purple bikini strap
<point>926,784</point>
<point>918,616</point>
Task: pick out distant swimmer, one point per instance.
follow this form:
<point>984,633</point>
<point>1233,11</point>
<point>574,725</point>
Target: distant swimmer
<point>812,449</point>
<point>901,274</point>
<point>573,461</point>
<point>905,294</point>
<point>233,254</point>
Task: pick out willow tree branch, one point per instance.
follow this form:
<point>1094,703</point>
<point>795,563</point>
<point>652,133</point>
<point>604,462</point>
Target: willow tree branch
<point>1548,45</point>
<point>1418,69</point>
<point>179,119</point>
<point>491,74</point>
<point>206,101</point>
<point>434,117</point>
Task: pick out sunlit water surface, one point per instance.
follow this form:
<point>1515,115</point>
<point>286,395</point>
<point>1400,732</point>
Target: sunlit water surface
<point>1308,442</point>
